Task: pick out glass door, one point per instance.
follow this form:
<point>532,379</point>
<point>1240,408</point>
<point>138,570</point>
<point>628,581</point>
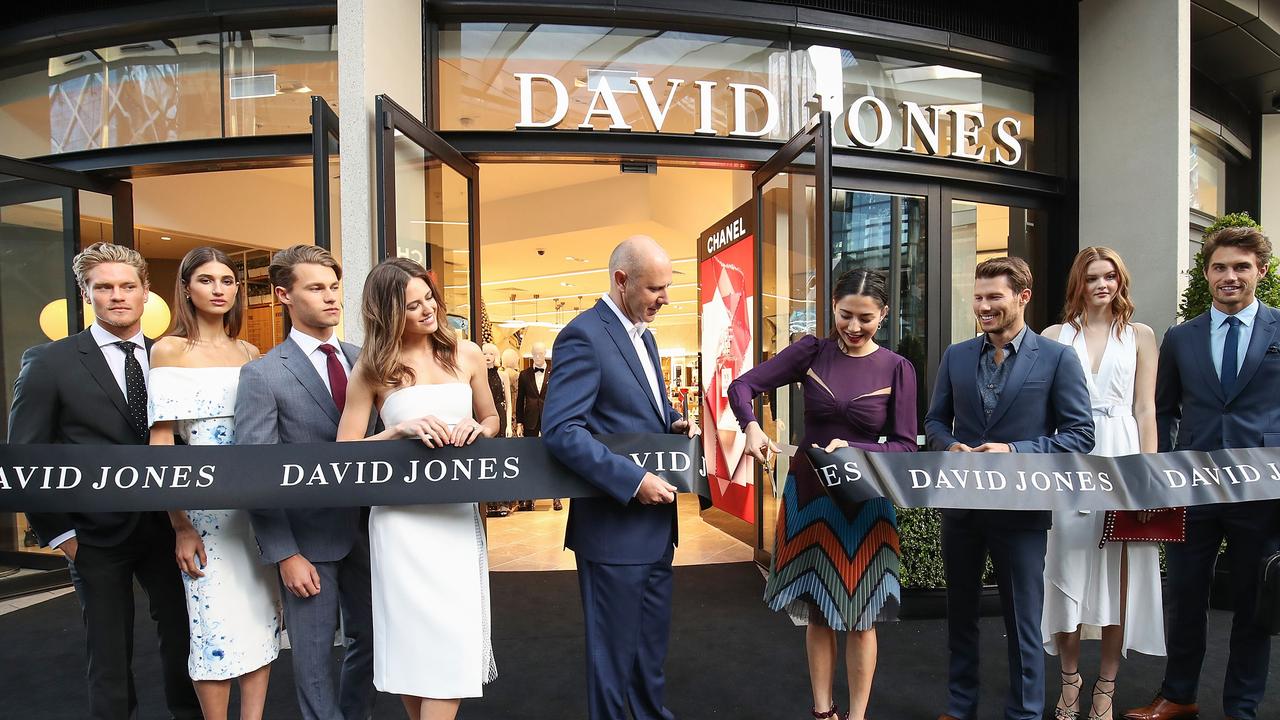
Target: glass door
<point>429,209</point>
<point>792,195</point>
<point>325,174</point>
<point>40,232</point>
<point>983,230</point>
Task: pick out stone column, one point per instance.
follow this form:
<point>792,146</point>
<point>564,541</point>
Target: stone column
<point>379,52</point>
<point>1135,110</point>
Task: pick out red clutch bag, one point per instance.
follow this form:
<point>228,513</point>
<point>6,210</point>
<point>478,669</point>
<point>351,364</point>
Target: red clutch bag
<point>1169,525</point>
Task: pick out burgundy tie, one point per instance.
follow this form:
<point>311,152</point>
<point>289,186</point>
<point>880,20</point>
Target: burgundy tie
<point>337,376</point>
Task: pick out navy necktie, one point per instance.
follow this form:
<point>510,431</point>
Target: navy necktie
<point>1230,353</point>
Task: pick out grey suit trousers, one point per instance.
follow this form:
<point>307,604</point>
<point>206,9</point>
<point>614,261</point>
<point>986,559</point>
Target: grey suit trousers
<point>312,622</point>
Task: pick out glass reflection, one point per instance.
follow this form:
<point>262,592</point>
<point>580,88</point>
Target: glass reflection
<point>884,232</point>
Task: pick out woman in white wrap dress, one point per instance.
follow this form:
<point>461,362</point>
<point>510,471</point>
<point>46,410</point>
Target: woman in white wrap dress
<point>1113,592</point>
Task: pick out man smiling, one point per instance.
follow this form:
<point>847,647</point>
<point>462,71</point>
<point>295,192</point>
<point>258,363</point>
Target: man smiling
<point>1007,390</point>
<point>1216,385</point>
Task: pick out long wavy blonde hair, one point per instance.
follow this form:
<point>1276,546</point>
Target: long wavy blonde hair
<point>384,318</point>
<point>1077,292</point>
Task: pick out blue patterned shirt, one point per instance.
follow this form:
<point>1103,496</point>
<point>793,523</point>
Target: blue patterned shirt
<point>992,377</point>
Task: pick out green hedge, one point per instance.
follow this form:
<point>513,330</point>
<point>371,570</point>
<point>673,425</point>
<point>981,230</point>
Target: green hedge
<point>920,535</point>
<point>1196,298</point>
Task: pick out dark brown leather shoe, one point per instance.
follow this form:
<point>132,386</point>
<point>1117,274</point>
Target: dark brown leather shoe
<point>1163,709</point>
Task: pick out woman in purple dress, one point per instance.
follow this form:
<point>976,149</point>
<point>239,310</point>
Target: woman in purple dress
<point>834,574</point>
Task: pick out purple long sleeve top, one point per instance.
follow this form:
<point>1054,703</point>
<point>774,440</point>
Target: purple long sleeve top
<point>864,399</point>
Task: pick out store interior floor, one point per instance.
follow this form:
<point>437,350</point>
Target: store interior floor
<point>534,540</point>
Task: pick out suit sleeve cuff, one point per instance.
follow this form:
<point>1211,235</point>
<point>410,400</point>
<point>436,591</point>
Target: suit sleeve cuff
<point>68,535</point>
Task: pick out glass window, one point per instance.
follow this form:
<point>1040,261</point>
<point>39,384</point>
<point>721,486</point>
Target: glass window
<point>168,89</point>
<point>836,78</point>
<point>888,233</point>
<point>478,88</point>
<point>980,231</point>
<point>272,74</point>
<point>1207,177</point>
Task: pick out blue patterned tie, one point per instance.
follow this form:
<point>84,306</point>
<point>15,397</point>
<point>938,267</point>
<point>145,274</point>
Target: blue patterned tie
<point>1230,351</point>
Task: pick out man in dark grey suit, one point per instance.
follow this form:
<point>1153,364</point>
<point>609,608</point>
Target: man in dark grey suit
<point>295,394</point>
<point>90,389</point>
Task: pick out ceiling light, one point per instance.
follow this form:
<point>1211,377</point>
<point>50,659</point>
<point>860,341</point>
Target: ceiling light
<point>165,237</point>
<point>566,284</point>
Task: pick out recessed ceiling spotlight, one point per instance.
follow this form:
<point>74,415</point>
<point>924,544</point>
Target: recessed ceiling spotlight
<point>571,258</point>
<point>165,237</point>
<point>565,284</point>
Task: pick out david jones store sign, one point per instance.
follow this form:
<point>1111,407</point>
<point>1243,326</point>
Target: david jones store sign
<point>920,125</point>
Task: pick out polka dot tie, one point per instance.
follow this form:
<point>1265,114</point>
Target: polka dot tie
<point>135,385</point>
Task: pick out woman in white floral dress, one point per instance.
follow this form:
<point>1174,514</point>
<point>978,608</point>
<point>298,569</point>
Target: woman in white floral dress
<point>232,598</point>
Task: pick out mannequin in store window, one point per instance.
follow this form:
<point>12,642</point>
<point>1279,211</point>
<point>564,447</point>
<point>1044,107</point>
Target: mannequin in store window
<point>531,394</point>
<point>500,389</point>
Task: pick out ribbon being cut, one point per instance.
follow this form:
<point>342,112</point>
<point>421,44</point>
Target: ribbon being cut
<point>101,478</point>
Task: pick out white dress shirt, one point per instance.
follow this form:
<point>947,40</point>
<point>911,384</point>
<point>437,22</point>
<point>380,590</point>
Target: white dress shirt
<point>539,377</point>
<point>319,360</point>
<point>635,331</point>
<point>114,356</point>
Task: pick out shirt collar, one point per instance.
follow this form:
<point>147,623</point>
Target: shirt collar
<point>1246,315</point>
<point>104,338</point>
<point>633,329</point>
<point>1016,342</point>
<point>310,344</point>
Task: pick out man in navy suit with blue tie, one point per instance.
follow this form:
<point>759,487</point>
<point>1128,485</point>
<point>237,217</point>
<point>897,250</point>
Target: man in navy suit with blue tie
<point>1007,390</point>
<point>1216,387</point>
<point>609,380</point>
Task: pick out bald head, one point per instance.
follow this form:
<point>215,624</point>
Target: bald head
<point>634,253</point>
<point>639,275</point>
<point>539,353</point>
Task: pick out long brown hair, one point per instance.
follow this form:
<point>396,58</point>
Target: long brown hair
<point>184,316</point>
<point>384,317</point>
<point>1121,305</point>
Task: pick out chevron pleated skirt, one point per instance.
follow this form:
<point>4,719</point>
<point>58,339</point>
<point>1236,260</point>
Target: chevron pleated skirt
<point>847,570</point>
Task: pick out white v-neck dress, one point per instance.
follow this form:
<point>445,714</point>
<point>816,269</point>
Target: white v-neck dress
<point>1082,582</point>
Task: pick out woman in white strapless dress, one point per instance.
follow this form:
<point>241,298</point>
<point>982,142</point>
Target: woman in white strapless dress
<point>232,599</point>
<point>1113,592</point>
<point>429,562</point>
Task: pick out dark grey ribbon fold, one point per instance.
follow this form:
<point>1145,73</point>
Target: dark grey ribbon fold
<point>109,478</point>
<point>1058,481</point>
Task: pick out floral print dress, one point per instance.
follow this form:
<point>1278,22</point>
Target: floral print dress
<point>234,610</point>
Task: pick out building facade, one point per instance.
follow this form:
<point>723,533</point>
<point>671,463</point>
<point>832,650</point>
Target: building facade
<point>509,145</point>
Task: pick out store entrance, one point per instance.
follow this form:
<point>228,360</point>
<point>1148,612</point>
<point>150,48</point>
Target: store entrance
<point>546,231</point>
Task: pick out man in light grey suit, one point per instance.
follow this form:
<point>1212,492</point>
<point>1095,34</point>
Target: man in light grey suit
<point>295,394</point>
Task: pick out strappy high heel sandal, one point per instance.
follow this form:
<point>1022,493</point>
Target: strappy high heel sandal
<point>832,714</point>
<point>1070,681</point>
<point>1094,713</point>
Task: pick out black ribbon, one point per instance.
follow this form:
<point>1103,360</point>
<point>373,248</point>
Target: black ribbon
<point>103,478</point>
<point>1056,481</point>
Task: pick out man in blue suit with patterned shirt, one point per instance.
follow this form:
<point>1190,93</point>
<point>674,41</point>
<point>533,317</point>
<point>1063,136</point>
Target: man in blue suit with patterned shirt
<point>1007,390</point>
<point>609,380</point>
<point>1216,387</point>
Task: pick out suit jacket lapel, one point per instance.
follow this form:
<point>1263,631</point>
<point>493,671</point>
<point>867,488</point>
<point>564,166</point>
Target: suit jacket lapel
<point>351,352</point>
<point>1264,332</point>
<point>1025,360</point>
<point>626,349</point>
<point>970,354</point>
<point>94,361</point>
<point>298,364</point>
<point>1203,354</point>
